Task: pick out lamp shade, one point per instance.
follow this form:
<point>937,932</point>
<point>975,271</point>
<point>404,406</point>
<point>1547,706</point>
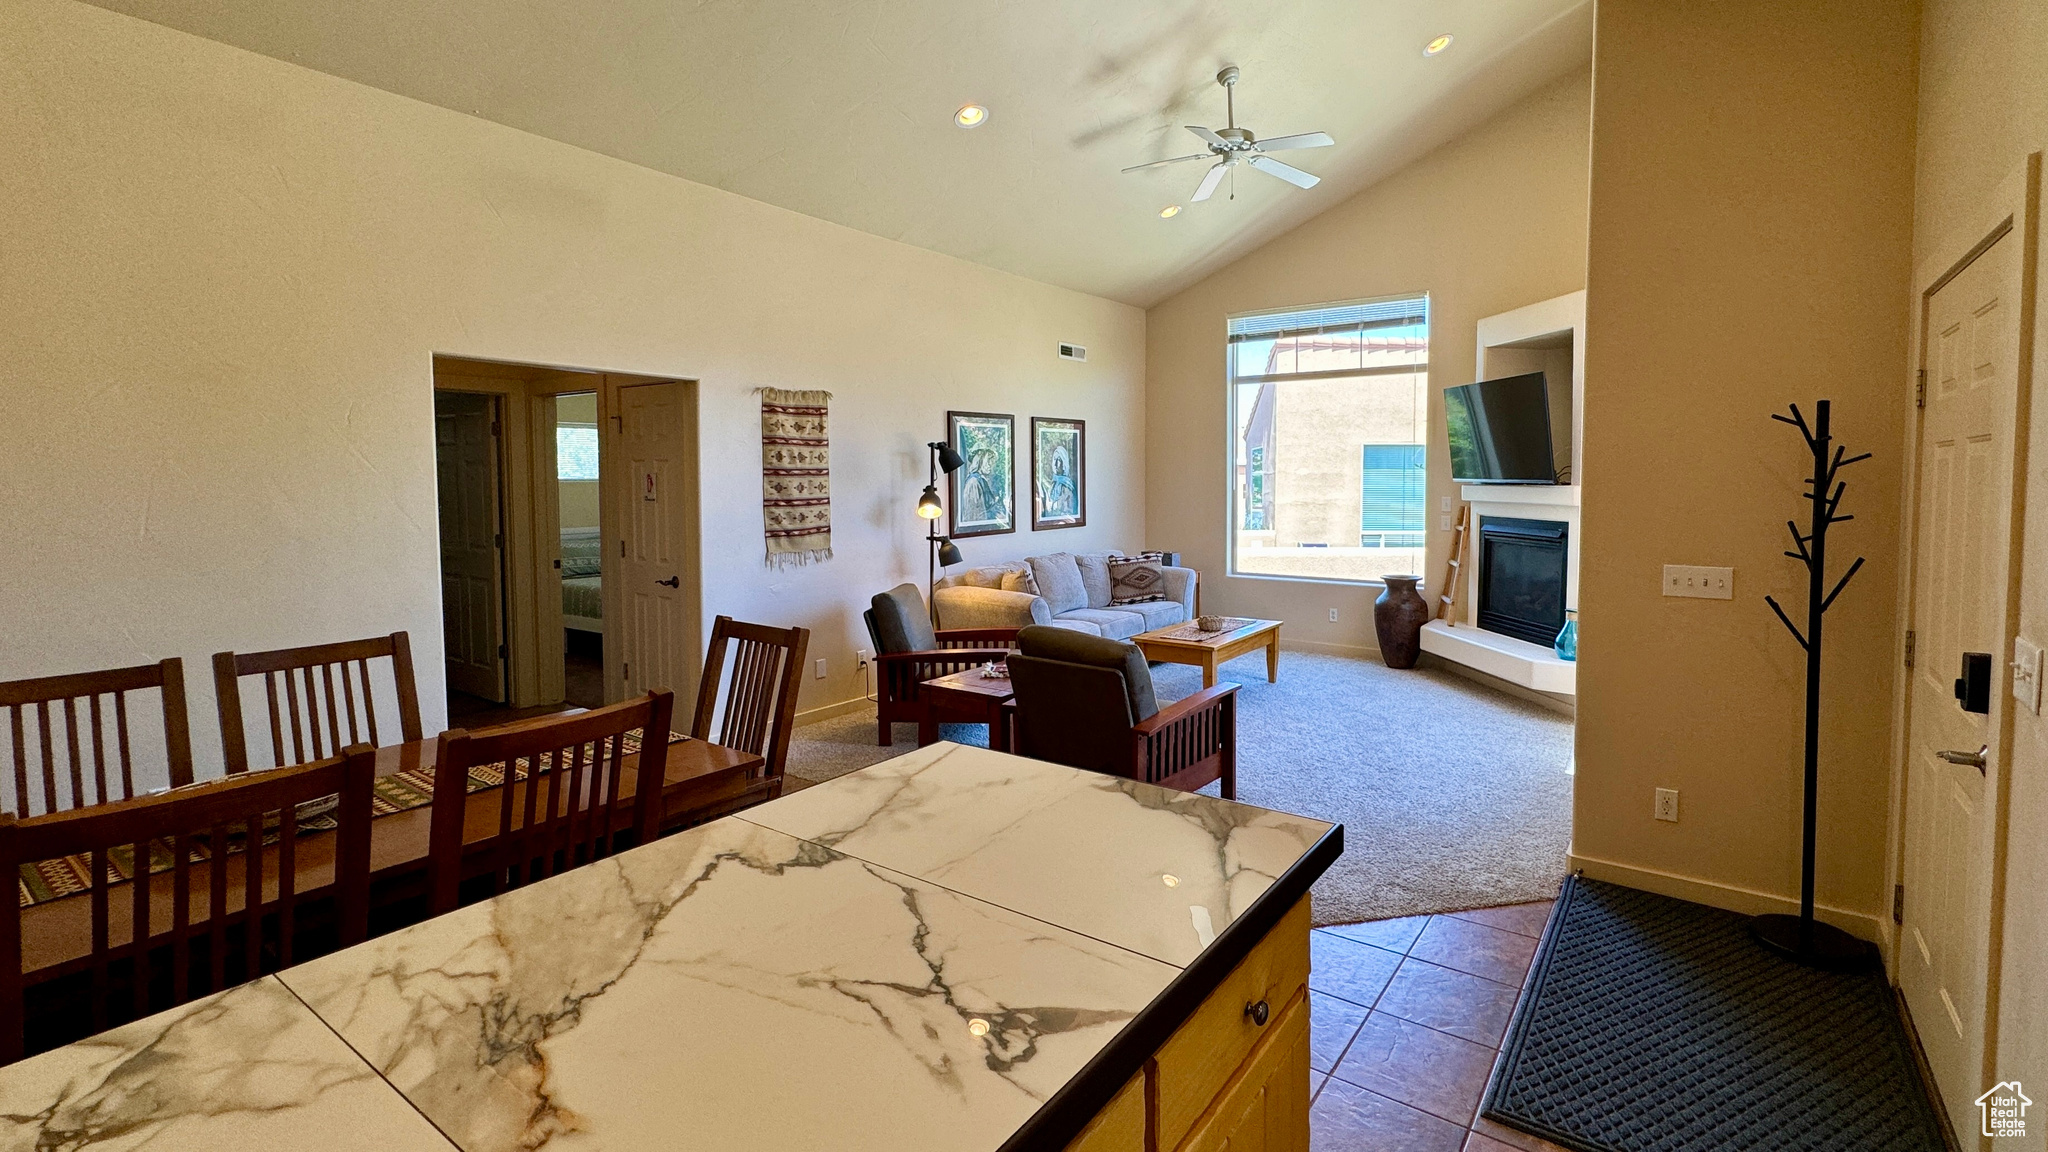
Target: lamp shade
<point>949,460</point>
<point>928,505</point>
<point>949,553</point>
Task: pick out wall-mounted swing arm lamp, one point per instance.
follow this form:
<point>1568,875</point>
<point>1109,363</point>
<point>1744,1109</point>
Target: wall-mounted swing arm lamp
<point>942,551</point>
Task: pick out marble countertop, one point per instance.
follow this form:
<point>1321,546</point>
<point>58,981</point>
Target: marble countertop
<point>915,956</point>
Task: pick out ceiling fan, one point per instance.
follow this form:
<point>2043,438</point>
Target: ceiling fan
<point>1233,146</point>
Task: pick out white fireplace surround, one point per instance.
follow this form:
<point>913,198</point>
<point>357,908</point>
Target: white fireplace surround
<point>1541,336</point>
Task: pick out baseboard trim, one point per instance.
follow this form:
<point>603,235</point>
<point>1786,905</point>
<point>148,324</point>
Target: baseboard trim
<point>1747,901</point>
<point>828,711</point>
<point>1320,648</point>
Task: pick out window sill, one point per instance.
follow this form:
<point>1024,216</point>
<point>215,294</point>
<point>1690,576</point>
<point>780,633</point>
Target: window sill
<point>1365,583</point>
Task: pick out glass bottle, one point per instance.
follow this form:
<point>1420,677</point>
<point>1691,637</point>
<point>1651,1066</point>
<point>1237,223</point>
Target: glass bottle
<point>1567,644</point>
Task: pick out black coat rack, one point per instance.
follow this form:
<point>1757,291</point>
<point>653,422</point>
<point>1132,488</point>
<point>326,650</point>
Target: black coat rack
<point>1801,937</point>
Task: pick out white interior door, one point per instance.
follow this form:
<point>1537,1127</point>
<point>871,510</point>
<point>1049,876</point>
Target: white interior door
<point>472,543</point>
<point>652,494</point>
<point>1961,570</point>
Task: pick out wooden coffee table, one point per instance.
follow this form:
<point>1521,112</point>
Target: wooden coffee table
<point>1162,645</point>
<point>967,698</point>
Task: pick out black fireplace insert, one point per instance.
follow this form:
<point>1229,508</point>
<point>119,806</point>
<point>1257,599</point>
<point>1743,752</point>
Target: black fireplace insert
<point>1522,577</point>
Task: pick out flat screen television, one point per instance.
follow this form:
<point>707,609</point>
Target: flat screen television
<point>1500,431</point>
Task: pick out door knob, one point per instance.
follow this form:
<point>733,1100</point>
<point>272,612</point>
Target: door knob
<point>672,582</point>
<point>1975,759</point>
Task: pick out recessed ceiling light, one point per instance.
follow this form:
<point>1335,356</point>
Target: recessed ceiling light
<point>1437,45</point>
<point>970,115</point>
<point>1169,212</point>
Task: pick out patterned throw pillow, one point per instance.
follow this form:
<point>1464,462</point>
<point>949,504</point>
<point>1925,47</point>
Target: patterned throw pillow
<point>1020,580</point>
<point>1136,581</point>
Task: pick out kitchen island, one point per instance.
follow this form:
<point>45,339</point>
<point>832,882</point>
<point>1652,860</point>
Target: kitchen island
<point>955,949</point>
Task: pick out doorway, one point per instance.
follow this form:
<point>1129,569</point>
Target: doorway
<point>469,480</point>
<point>593,493</point>
<point>579,485</point>
<point>1963,620</point>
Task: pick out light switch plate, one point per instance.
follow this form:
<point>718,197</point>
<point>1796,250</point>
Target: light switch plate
<point>2026,674</point>
<point>821,669</point>
<point>1704,583</point>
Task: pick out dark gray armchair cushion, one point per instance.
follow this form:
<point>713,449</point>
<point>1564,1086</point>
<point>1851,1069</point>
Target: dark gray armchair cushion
<point>1071,647</point>
<point>901,622</point>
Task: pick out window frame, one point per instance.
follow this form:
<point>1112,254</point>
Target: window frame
<point>1231,511</point>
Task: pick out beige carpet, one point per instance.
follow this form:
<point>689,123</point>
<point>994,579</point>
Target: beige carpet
<point>1451,795</point>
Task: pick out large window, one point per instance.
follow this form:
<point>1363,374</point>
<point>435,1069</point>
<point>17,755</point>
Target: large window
<point>1330,415</point>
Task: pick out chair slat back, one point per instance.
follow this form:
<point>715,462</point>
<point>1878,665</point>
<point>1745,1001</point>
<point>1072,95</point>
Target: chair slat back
<point>68,739</point>
<point>209,904</point>
<point>320,698</point>
<point>562,803</point>
<point>760,707</point>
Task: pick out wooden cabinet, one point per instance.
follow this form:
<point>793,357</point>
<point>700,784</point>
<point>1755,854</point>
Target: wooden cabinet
<point>1264,1108</point>
<point>1234,1076</point>
<point>1120,1127</point>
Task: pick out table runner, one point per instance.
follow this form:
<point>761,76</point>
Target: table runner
<point>399,792</point>
<point>1193,631</point>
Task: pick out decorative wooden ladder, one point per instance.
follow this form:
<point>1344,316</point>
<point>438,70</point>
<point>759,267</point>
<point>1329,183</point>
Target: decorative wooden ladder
<point>1448,601</point>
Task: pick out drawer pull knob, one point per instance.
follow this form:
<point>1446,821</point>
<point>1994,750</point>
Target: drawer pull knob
<point>1258,1012</point>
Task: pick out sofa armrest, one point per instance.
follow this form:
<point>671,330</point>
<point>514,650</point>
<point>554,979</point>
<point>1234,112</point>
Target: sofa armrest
<point>967,606</point>
<point>1180,586</point>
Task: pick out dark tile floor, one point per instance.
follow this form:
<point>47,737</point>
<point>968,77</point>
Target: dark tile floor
<point>1408,1017</point>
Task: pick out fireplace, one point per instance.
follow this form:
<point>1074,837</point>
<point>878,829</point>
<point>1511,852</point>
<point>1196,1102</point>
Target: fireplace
<point>1522,577</point>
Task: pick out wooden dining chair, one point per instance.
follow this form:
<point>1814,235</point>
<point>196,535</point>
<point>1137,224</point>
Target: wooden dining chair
<point>56,759</point>
<point>568,810</point>
<point>760,697</point>
<point>207,919</point>
<point>298,683</point>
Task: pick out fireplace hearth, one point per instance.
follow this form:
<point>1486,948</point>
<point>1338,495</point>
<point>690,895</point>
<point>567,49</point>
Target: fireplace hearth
<point>1522,577</point>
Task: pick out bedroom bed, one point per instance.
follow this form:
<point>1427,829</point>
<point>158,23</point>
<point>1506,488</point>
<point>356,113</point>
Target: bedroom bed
<point>582,580</point>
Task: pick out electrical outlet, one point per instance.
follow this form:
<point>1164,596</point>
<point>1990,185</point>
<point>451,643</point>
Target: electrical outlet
<point>863,657</point>
<point>1704,583</point>
<point>821,669</point>
<point>1667,804</point>
<point>1333,615</point>
<point>2026,674</point>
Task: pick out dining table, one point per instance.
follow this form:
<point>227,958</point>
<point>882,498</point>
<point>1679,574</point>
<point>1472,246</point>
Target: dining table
<point>702,780</point>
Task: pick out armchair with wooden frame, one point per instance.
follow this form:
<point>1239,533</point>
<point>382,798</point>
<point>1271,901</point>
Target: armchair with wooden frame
<point>1087,702</point>
<point>908,652</point>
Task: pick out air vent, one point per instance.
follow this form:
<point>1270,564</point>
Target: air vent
<point>1073,352</point>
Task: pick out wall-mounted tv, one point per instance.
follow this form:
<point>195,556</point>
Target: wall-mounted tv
<point>1500,431</point>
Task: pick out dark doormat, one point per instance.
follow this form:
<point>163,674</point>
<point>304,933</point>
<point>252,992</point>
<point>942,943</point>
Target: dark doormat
<point>1657,1025</point>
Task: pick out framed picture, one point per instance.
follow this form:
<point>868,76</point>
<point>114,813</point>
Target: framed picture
<point>1059,473</point>
<point>984,486</point>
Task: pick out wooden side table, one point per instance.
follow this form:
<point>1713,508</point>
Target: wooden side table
<point>967,698</point>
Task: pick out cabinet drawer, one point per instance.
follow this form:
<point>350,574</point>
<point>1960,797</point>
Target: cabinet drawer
<point>1199,1059</point>
<point>1120,1126</point>
<point>1264,1108</point>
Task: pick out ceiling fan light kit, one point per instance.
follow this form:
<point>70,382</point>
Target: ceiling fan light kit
<point>1231,146</point>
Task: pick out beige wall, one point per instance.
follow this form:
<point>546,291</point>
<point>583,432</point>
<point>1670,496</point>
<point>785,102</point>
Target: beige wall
<point>1751,209</point>
<point>1491,221</point>
<point>1983,108</point>
<point>225,278</point>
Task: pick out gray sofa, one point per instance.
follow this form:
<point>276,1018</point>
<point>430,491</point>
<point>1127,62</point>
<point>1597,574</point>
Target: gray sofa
<point>1073,592</point>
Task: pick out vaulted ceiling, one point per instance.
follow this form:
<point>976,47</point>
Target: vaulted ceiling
<point>843,109</point>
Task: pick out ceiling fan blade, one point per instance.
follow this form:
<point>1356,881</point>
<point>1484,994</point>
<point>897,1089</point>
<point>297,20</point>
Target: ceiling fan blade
<point>1289,173</point>
<point>1305,140</point>
<point>1208,137</point>
<point>1210,181</point>
<point>1175,160</point>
